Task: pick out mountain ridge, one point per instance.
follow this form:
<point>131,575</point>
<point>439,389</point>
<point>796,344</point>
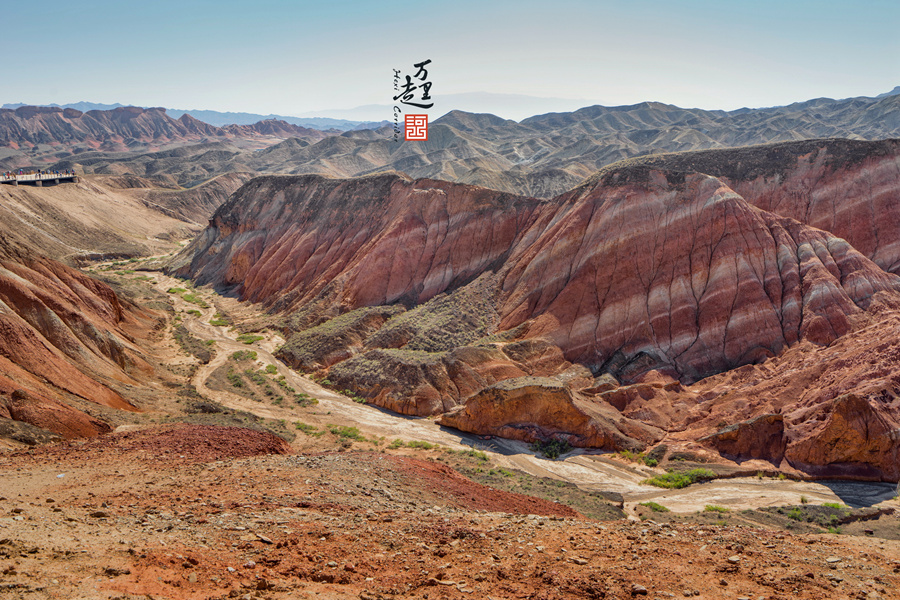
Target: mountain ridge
<point>541,156</point>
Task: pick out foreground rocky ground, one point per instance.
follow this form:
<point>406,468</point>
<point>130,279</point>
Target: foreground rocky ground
<point>188,511</point>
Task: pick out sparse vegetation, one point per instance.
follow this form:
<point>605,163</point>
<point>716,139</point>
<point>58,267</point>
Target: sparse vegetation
<point>715,508</point>
<point>307,429</point>
<point>192,345</point>
<point>419,444</point>
<point>304,400</point>
<point>219,320</point>
<point>675,480</point>
<point>631,456</point>
<point>249,338</point>
<point>655,507</point>
<point>271,369</point>
<point>235,378</point>
<point>352,395</point>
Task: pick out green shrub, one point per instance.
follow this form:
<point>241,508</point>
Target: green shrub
<point>249,338</point>
<point>194,299</point>
<point>194,312</point>
<point>345,432</point>
<point>422,445</point>
<point>655,507</point>
<point>715,508</point>
<point>271,369</point>
<point>244,355</point>
<point>795,514</point>
<point>552,449</point>
<point>834,505</point>
<point>804,500</point>
<point>673,480</point>
<point>176,290</point>
<point>308,429</point>
<point>219,320</point>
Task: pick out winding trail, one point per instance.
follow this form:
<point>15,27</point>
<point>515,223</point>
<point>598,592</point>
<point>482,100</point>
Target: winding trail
<point>589,470</point>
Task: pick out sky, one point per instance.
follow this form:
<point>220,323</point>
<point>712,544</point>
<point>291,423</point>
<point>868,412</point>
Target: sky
<point>296,57</point>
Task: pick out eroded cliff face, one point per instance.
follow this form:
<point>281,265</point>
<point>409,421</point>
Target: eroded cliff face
<point>360,242</point>
<point>653,274</point>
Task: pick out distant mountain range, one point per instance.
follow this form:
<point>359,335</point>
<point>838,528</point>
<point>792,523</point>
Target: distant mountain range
<point>65,131</point>
<point>220,119</point>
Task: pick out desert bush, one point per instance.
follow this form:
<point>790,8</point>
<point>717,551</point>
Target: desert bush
<point>655,507</point>
<point>674,480</point>
<point>552,449</point>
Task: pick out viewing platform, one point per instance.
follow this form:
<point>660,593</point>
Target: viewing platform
<point>38,179</point>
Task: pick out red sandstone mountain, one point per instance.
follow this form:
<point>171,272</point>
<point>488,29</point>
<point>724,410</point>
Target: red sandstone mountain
<point>651,272</point>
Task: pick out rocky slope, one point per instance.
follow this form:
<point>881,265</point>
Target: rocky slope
<point>543,156</point>
<point>64,336</point>
<point>199,512</point>
<point>656,274</point>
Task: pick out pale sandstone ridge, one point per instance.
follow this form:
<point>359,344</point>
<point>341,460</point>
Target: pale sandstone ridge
<point>537,408</point>
<point>658,276</point>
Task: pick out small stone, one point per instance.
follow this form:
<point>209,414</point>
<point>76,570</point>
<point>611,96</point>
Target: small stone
<point>723,582</point>
<point>192,578</point>
<point>263,539</point>
<point>100,514</point>
<point>734,559</point>
<point>832,560</point>
<point>230,569</point>
<point>638,590</point>
<point>331,564</point>
<point>579,561</point>
<point>249,564</point>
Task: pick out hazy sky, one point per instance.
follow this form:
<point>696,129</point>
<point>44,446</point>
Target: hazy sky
<point>276,56</point>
